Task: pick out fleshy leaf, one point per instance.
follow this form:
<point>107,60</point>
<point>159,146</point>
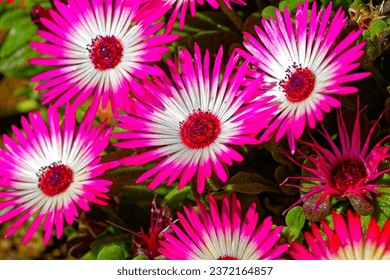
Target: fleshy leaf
<point>295,221</point>
<point>112,252</point>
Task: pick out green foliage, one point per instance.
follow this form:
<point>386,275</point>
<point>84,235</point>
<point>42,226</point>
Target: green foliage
<point>291,5</point>
<point>111,252</point>
<point>269,12</point>
<point>376,26</point>
<point>382,205</point>
<point>295,221</point>
<point>14,49</point>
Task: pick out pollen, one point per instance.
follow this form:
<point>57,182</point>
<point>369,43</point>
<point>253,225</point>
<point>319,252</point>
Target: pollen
<point>298,83</point>
<point>105,52</point>
<point>54,178</point>
<point>200,130</point>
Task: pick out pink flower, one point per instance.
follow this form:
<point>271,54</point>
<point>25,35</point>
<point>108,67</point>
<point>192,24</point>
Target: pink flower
<point>345,171</point>
<point>190,126</point>
<point>48,171</point>
<point>8,2</point>
<point>99,49</point>
<point>304,67</point>
<point>346,241</point>
<point>180,8</point>
<point>148,243</point>
<point>222,235</point>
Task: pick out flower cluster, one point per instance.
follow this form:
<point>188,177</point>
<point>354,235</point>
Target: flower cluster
<point>122,92</point>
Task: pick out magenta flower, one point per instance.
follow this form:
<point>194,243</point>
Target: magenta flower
<point>347,241</point>
<point>346,171</point>
<point>180,8</point>
<point>191,126</point>
<point>98,48</point>
<point>304,67</point>
<point>48,171</point>
<point>222,235</point>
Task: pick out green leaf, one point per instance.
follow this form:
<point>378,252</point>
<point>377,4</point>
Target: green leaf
<point>19,35</point>
<point>295,220</point>
<point>291,4</point>
<point>382,205</point>
<point>140,257</point>
<point>111,252</point>
<point>176,197</point>
<point>9,18</point>
<point>376,26</point>
<point>269,12</point>
<point>16,65</point>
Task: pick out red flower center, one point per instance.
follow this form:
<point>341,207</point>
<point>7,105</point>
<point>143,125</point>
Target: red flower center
<point>105,52</point>
<point>298,83</point>
<point>347,173</point>
<point>55,178</point>
<point>226,258</point>
<point>199,130</point>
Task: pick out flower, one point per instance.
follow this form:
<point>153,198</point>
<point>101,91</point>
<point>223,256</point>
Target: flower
<point>147,243</point>
<point>98,48</point>
<point>344,172</point>
<point>304,67</point>
<point>180,8</point>
<point>8,2</point>
<point>191,125</point>
<point>347,241</point>
<point>222,235</point>
<point>49,170</point>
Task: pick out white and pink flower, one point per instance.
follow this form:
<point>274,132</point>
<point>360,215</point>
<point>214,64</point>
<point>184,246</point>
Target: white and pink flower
<point>222,234</point>
<point>98,48</point>
<point>304,66</point>
<point>348,240</point>
<point>48,171</point>
<point>190,126</point>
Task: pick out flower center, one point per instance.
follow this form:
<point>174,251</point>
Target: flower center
<point>54,178</point>
<point>226,258</point>
<point>347,173</point>
<point>199,130</point>
<point>105,52</point>
<point>298,83</point>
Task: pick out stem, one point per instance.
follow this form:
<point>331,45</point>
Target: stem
<point>231,14</point>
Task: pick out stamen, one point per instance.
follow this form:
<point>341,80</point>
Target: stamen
<point>105,52</point>
<point>54,178</point>
<point>298,83</point>
<point>200,130</point>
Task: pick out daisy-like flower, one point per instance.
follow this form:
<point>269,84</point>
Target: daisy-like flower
<point>304,67</point>
<point>48,171</point>
<point>180,8</point>
<point>348,240</point>
<point>345,171</point>
<point>98,48</point>
<point>191,125</point>
<point>222,235</point>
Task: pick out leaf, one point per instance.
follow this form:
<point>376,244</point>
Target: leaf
<point>382,205</point>
<point>250,183</point>
<point>295,221</point>
<point>176,197</point>
<point>268,12</point>
<point>9,18</point>
<point>112,252</point>
<point>19,35</point>
<point>376,26</point>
